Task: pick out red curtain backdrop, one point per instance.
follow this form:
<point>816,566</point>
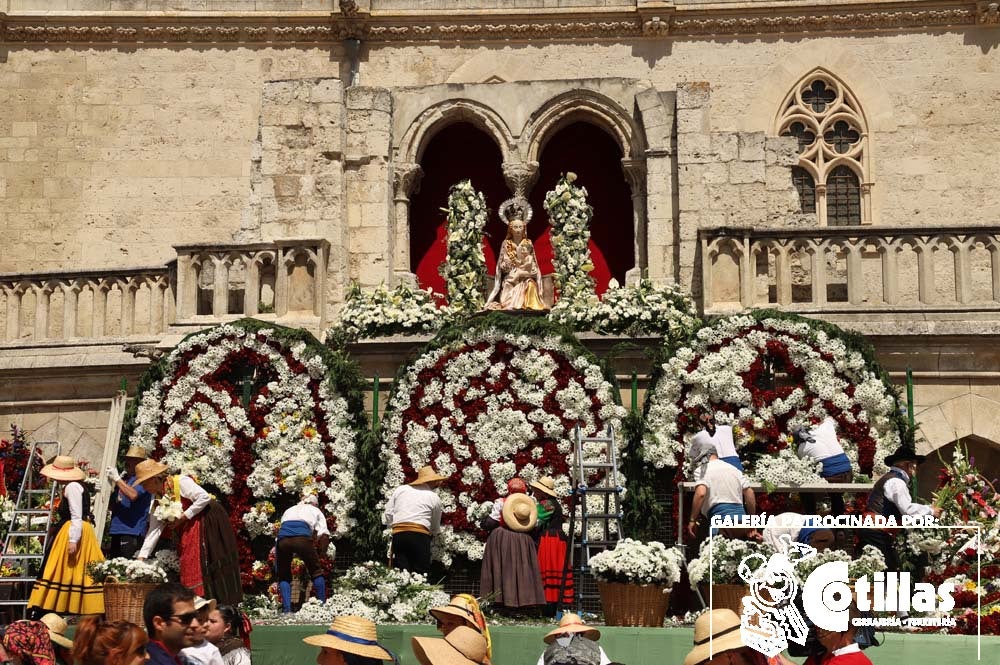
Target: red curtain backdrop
<point>462,151</point>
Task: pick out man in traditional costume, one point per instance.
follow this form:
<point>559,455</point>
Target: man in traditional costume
<point>303,532</point>
<point>821,444</point>
<point>890,497</point>
<point>721,489</point>
<point>725,445</point>
<point>414,514</point>
<point>206,543</point>
<point>65,586</point>
<point>129,507</point>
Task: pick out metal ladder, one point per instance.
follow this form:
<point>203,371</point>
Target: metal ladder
<point>23,526</point>
<point>610,490</point>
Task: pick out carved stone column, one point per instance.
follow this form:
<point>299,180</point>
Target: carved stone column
<point>71,296</point>
<point>635,175</point>
<point>520,177</point>
<point>405,182</point>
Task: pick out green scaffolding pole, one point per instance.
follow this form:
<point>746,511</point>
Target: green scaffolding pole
<point>375,388</point>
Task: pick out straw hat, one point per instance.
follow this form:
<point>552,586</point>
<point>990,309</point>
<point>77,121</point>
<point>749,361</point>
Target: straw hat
<point>519,512</point>
<point>547,486</point>
<point>351,634</point>
<point>136,452</point>
<point>572,623</point>
<point>715,632</point>
<point>462,646</point>
<point>148,469</point>
<point>456,607</point>
<point>427,474</point>
<point>57,629</point>
<point>201,603</point>
<point>63,467</point>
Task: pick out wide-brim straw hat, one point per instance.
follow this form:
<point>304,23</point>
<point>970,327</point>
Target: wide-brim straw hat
<point>136,452</point>
<point>904,454</point>
<point>351,634</point>
<point>148,469</point>
<point>572,623</point>
<point>202,603</point>
<point>57,629</point>
<point>520,512</point>
<point>427,474</point>
<point>715,632</point>
<point>456,608</point>
<point>63,467</point>
<point>462,646</point>
<point>546,485</point>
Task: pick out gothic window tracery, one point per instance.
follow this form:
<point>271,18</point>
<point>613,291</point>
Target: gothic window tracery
<point>833,174</point>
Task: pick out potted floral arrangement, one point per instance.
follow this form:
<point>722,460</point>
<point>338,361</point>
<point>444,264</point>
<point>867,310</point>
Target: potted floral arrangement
<point>126,583</point>
<point>634,580</point>
<point>716,570</point>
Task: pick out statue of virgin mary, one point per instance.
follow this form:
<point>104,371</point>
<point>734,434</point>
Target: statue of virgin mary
<point>518,278</point>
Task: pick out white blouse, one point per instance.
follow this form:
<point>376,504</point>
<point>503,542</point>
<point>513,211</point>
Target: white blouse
<point>191,491</point>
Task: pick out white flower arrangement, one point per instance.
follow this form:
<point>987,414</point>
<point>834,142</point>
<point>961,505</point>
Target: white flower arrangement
<point>540,387</point>
<point>570,216</point>
<point>724,555</point>
<point>125,570</point>
<point>404,310</point>
<point>202,423</point>
<point>168,561</point>
<point>259,520</point>
<point>785,469</point>
<point>368,590</point>
<point>635,562</point>
<point>167,508</point>
<point>710,379</point>
<point>464,270</point>
<point>645,308</point>
<point>870,561</point>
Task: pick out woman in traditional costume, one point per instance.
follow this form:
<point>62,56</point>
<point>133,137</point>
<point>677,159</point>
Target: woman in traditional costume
<point>206,543</point>
<point>552,544</point>
<point>518,278</point>
<point>65,586</point>
<point>510,561</point>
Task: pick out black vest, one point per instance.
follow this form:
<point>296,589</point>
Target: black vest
<point>63,513</point>
<point>877,502</point>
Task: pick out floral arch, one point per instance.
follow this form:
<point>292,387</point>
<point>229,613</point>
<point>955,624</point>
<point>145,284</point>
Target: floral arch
<point>260,414</point>
<point>486,401</point>
<point>767,373</point>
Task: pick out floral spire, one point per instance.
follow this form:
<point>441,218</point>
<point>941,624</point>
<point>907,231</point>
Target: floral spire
<point>570,217</point>
<point>464,270</point>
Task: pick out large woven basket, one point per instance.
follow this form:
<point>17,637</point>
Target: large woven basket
<point>726,596</point>
<point>632,604</point>
<point>123,601</point>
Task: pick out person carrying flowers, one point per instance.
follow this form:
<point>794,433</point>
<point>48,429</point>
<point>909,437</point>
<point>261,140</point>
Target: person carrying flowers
<point>65,586</point>
<point>206,543</point>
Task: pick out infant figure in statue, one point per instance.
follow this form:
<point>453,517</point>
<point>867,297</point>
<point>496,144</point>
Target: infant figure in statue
<point>518,278</point>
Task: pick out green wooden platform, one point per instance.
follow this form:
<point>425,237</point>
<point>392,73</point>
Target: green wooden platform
<point>521,645</point>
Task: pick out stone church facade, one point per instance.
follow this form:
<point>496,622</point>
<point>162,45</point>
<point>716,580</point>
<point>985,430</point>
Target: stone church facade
<point>169,164</point>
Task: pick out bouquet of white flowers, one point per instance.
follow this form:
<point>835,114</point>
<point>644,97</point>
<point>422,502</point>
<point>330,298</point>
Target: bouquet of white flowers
<point>635,562</point>
<point>168,509</point>
<point>871,561</point>
<point>128,571</point>
<point>724,556</point>
<point>785,469</point>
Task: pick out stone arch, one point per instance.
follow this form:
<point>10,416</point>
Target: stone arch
<point>588,106</point>
<point>435,118</point>
<point>969,414</point>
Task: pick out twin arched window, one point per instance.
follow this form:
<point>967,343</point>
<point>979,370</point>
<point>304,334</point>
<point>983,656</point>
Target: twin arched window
<point>832,176</point>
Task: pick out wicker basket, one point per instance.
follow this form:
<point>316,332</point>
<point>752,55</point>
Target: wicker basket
<point>633,605</point>
<point>726,596</point>
<point>123,601</point>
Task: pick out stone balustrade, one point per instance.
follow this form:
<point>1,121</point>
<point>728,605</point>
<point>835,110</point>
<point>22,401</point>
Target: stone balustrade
<point>206,284</point>
<point>852,269</point>
<point>85,304</point>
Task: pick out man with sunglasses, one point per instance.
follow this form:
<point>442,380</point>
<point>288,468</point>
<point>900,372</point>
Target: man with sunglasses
<point>172,624</point>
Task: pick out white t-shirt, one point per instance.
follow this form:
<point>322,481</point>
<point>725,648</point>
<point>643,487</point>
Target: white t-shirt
<point>722,440</point>
<point>724,482</point>
<point>205,653</point>
<point>417,504</point>
<point>825,442</point>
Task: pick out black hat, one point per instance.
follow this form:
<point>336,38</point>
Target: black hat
<point>904,454</point>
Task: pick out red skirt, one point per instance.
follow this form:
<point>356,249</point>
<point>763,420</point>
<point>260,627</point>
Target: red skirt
<point>552,562</point>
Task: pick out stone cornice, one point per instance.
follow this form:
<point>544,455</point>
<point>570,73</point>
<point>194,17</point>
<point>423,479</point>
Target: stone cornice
<point>649,20</point>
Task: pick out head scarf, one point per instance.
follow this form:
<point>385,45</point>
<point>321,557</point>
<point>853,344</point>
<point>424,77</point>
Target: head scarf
<point>701,448</point>
<point>31,639</point>
<point>517,486</point>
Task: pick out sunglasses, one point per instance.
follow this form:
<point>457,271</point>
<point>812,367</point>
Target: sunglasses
<point>184,619</point>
